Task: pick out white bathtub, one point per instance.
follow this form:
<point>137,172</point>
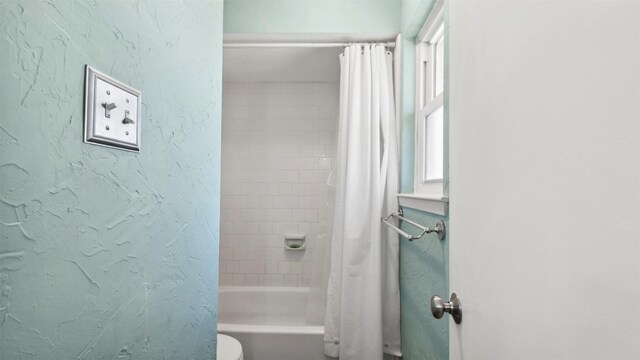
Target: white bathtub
<point>270,322</point>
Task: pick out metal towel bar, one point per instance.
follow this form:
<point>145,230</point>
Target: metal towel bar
<point>439,229</point>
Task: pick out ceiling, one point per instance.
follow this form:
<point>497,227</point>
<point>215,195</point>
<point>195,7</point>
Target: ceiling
<point>281,64</point>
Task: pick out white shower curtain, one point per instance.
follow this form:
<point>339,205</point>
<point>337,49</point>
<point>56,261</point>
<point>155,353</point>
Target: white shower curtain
<point>362,318</point>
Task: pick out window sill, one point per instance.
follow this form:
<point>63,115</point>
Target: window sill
<point>438,205</point>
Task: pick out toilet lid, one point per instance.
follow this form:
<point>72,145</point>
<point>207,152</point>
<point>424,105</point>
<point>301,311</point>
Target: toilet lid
<point>228,348</point>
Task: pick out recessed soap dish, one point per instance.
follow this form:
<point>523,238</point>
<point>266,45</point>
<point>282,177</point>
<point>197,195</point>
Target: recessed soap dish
<point>295,242</point>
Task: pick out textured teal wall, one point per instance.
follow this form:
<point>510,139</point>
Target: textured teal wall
<point>107,254</point>
<point>424,272</point>
<point>311,16</point>
<point>424,263</point>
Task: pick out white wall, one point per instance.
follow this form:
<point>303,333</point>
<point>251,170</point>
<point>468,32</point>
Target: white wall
<point>545,179</point>
<point>277,153</point>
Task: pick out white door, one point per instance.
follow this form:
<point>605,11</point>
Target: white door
<point>545,179</point>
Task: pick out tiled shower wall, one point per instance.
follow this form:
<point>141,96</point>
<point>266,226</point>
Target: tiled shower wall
<point>278,144</point>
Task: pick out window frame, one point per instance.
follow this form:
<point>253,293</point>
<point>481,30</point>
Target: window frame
<point>425,101</point>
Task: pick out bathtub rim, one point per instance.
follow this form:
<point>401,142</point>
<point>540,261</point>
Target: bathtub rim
<point>271,329</point>
<point>258,288</point>
<point>229,327</point>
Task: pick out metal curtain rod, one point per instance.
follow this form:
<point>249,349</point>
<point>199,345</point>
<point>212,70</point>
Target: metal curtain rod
<point>298,45</point>
<point>439,229</point>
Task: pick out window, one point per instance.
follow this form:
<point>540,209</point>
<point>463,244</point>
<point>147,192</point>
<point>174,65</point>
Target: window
<point>429,159</point>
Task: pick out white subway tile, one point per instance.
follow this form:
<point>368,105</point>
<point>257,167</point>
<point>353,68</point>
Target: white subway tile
<point>233,267</point>
<point>285,188</point>
<point>297,189</point>
<point>238,253</point>
<point>292,176</point>
<point>276,242</point>
<point>319,151</point>
<point>271,267</point>
<point>290,227</point>
<point>307,149</point>
<point>226,253</point>
<point>277,151</point>
<point>307,268</point>
<point>254,240</point>
<point>304,227</point>
<point>306,202</point>
<point>232,214</point>
<point>253,228</point>
<point>291,280</point>
<point>284,267</point>
<point>296,268</point>
<point>276,253</point>
<point>277,280</point>
<point>226,279</point>
<point>309,215</point>
<point>251,279</point>
<point>265,228</point>
<point>226,241</point>
<point>325,163</point>
<point>260,214</point>
<point>264,280</point>
<point>246,267</point>
<point>258,267</point>
<point>311,163</point>
<point>239,201</point>
<point>253,254</point>
<point>266,202</point>
<point>297,215</point>
<point>304,281</point>
<point>278,228</point>
<point>273,189</point>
